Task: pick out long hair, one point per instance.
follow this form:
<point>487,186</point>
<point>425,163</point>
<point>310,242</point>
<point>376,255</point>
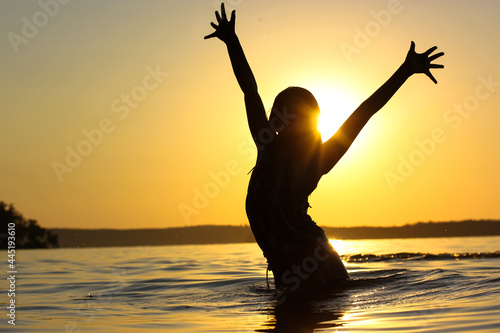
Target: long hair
<point>299,139</point>
<point>293,104</point>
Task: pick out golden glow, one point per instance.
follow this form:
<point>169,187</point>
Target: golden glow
<point>336,106</point>
<point>339,246</point>
<point>174,138</point>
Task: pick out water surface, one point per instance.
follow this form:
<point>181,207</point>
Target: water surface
<point>399,285</point>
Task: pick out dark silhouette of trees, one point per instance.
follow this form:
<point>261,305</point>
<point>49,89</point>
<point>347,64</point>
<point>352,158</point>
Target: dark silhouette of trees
<point>28,234</point>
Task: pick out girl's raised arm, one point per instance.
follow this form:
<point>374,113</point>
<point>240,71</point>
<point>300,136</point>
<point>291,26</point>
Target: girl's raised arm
<point>339,143</point>
<point>256,112</point>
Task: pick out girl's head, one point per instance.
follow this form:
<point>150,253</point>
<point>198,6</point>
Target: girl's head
<point>295,112</point>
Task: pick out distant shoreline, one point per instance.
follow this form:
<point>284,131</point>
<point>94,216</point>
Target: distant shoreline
<point>215,234</point>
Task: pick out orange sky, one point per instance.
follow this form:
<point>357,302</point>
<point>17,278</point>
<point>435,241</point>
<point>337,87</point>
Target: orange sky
<point>119,115</point>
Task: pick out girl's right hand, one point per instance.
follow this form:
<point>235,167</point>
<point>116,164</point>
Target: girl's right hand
<point>422,62</point>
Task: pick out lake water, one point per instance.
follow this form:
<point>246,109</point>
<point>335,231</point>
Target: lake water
<point>398,285</point>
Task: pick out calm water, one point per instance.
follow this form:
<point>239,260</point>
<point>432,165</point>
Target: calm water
<point>222,288</point>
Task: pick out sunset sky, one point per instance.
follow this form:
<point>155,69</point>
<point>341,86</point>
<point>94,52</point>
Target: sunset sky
<point>118,114</point>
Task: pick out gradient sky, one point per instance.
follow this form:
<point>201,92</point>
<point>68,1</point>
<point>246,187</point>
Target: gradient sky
<point>158,122</point>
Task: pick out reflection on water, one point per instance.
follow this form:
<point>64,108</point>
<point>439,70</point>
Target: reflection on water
<point>303,317</point>
<point>416,245</point>
<point>222,288</point>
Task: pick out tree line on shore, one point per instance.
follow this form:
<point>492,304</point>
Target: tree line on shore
<point>29,234</point>
<point>215,234</point>
<point>21,232</point>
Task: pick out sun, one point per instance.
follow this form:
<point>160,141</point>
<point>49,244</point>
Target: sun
<point>336,105</point>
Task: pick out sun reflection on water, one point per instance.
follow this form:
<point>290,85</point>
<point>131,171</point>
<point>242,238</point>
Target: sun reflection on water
<point>349,247</point>
<point>339,245</point>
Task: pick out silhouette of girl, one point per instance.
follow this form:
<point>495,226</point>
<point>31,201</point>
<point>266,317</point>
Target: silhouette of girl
<point>291,160</point>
